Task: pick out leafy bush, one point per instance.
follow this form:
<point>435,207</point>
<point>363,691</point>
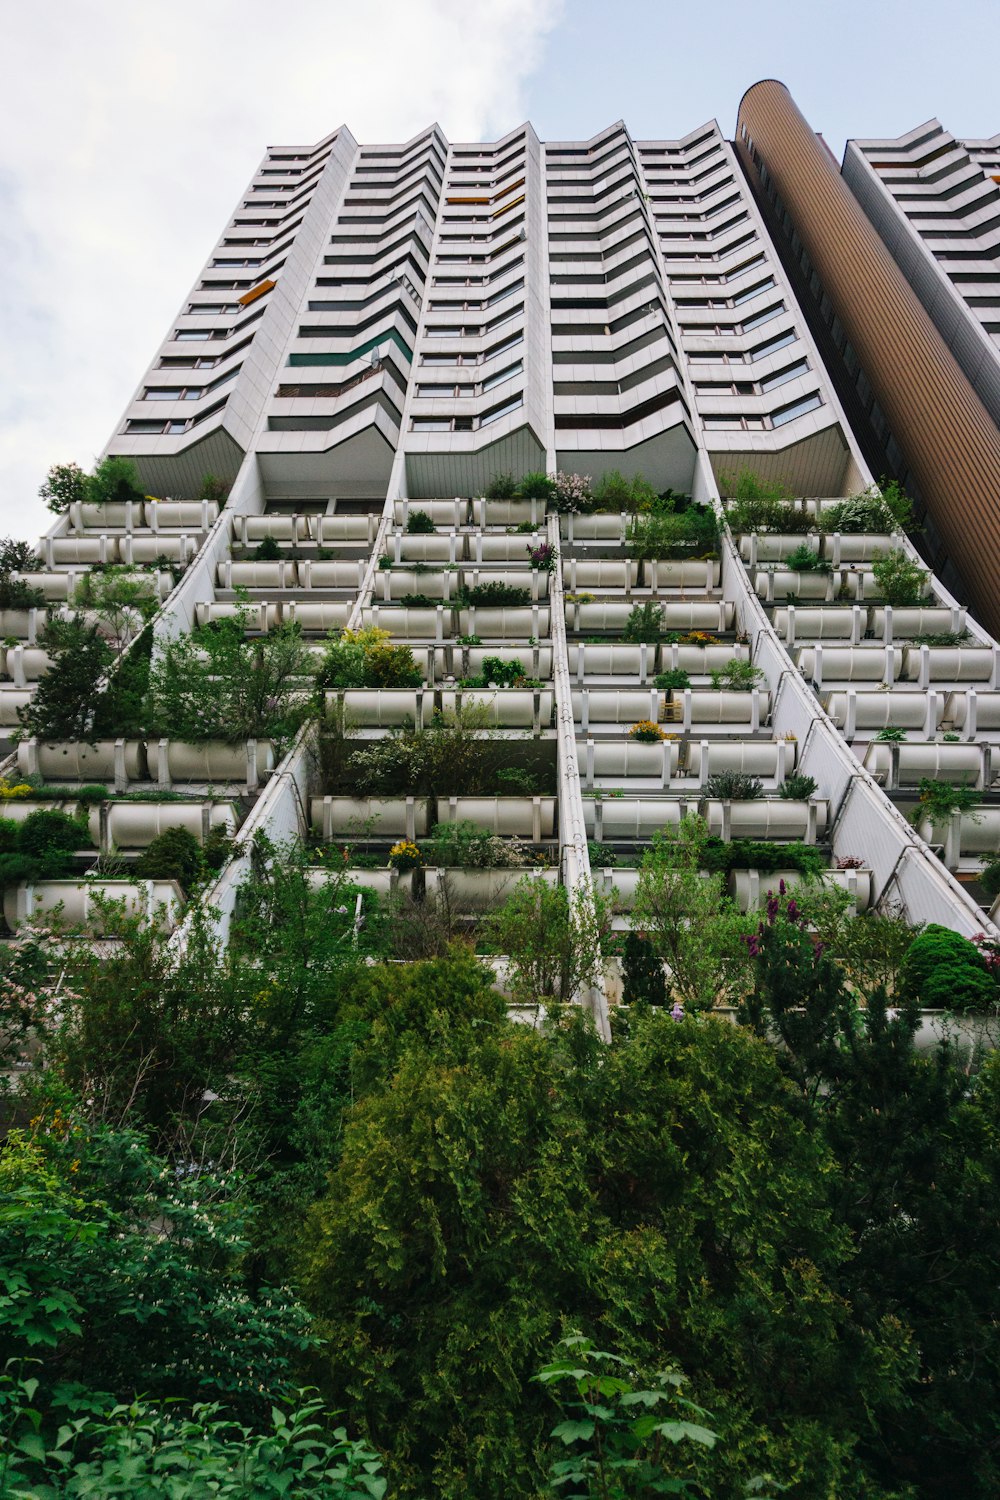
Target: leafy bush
<point>644,623</point>
<point>116,478</point>
<point>865,512</point>
<point>734,786</point>
<point>737,676</point>
<point>646,732</point>
<point>939,799</point>
<point>268,550</point>
<point>642,972</point>
<point>660,534</point>
<point>217,684</point>
<point>64,704</point>
<point>892,734</point>
<point>63,486</point>
<point>41,847</point>
<point>18,593</point>
<point>515,781</point>
<point>366,658</point>
<point>419,523</point>
<point>16,556</point>
<point>213,489</point>
<point>615,492</point>
<point>543,557</point>
<point>797,788</point>
<point>755,505</point>
<point>497,673</point>
<point>989,877</point>
<point>673,681</point>
<point>900,581</point>
<point>501,487</point>
<point>572,493</point>
<point>174,854</point>
<point>762,855</point>
<point>552,940</point>
<point>536,486</point>
<point>944,971</point>
<point>452,755</point>
<point>602,856</point>
<point>806,560</point>
<point>464,845</point>
<point>492,594</point>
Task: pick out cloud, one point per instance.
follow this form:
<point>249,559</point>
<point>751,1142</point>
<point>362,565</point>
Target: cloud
<point>137,129</point>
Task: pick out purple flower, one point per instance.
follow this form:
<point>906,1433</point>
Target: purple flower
<point>677,1011</point>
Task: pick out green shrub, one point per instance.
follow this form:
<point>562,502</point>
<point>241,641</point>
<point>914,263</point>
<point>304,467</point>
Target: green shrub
<point>40,848</point>
<point>673,681</point>
<point>419,523</point>
<point>900,581</point>
<point>989,877</point>
<point>515,781</point>
<point>658,535</point>
<point>892,734</point>
<point>493,593</point>
<point>797,788</point>
<point>644,624</point>
<point>939,799</point>
<point>737,676</point>
<point>18,593</point>
<point>64,485</point>
<point>536,486</point>
<point>642,972</point>
<point>366,658</point>
<point>734,786</point>
<point>268,550</point>
<point>805,560</point>
<point>174,854</point>
<point>501,487</point>
<point>762,855</point>
<point>602,856</point>
<point>213,489</point>
<point>464,845</point>
<point>116,479</point>
<point>944,971</point>
<point>64,703</point>
<point>865,512</point>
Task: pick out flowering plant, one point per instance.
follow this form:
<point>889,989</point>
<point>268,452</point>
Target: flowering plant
<point>404,855</point>
<point>646,732</point>
<point>9,791</point>
<point>572,493</point>
<point>543,557</point>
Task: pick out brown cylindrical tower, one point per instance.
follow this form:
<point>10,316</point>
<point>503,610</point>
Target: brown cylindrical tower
<point>949,440</point>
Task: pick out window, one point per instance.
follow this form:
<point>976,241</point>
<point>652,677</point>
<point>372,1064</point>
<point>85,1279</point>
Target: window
<point>797,409</point>
<point>191,334</point>
<point>145,428</point>
<point>772,346</point>
<point>167,393</point>
<point>502,411</point>
<point>430,424</point>
<point>801,367</point>
<point>764,317</point>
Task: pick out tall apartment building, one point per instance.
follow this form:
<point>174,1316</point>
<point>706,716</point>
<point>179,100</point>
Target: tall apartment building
<point>382,330</point>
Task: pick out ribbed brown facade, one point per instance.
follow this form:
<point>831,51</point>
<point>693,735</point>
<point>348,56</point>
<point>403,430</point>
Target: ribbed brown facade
<point>949,440</point>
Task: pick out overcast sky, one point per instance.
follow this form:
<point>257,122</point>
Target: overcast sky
<point>129,131</point>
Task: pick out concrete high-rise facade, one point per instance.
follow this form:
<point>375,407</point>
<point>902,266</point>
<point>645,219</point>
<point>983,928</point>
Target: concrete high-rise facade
<point>383,330</point>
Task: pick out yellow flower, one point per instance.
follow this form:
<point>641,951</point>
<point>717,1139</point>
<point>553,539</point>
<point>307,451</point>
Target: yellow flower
<point>7,792</point>
<point>646,730</point>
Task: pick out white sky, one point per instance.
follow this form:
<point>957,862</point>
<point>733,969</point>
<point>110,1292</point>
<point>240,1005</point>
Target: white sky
<point>129,130</point>
<point>127,133</point>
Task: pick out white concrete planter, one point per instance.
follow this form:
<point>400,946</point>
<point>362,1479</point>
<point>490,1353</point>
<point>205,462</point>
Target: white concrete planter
<point>508,708</point>
<point>763,758</point>
<point>181,515</point>
<point>383,708</point>
<point>610,762</point>
<point>750,888</point>
<point>835,623</point>
<point>426,547</point>
<point>631,817</point>
<point>76,903</point>
<point>257,575</point>
<point>683,573</point>
<point>147,547</point>
<point>20,622</point>
<point>19,808</point>
<point>902,709</point>
<point>12,699</point>
<point>534,661</point>
<point>361,817</point>
<point>517,622</point>
<point>134,825</point>
<point>82,549</point>
<point>251,530</point>
<point>57,587</point>
<point>453,513</point>
<point>315,618</point>
<point>210,761</point>
<point>397,583</point>
<point>333,575</point>
<point>74,760</point>
<point>766,819</point>
<point>480,890</point>
<point>382,882</point>
<point>531,818</point>
<point>503,512</point>
<point>678,614</point>
<point>582,574</point>
<point>837,664</point>
<point>484,548</point>
<point>342,529</point>
<point>260,618</point>
<point>908,763</point>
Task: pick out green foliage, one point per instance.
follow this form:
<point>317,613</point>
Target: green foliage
<point>673,681</point>
<point>805,560</point>
<point>644,623</point>
<point>892,734</point>
<point>536,487</point>
<point>939,799</point>
<point>944,971</point>
<point>452,755</point>
<point>642,972</point>
<point>516,781</point>
<point>866,512</point>
<point>366,658</point>
<point>214,489</point>
<point>572,493</point>
<point>86,1444</point>
<point>268,550</point>
<point>220,685</point>
<point>174,854</point>
<point>624,1440</point>
<point>15,557</point>
<point>64,485</point>
<point>41,847</point>
<point>900,581</point>
<point>552,940</point>
<point>116,478</point>
<point>665,533</point>
<point>17,593</point>
<point>737,676</point>
<point>110,1304</point>
<point>735,786</point>
<point>64,703</point>
<point>990,877</point>
<point>797,788</point>
<point>497,673</point>
<point>464,845</point>
<point>492,593</point>
<point>419,523</point>
<point>755,505</point>
<point>760,854</point>
<point>602,855</point>
<point>501,487</point>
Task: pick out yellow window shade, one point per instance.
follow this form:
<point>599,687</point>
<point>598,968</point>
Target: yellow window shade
<point>254,293</point>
